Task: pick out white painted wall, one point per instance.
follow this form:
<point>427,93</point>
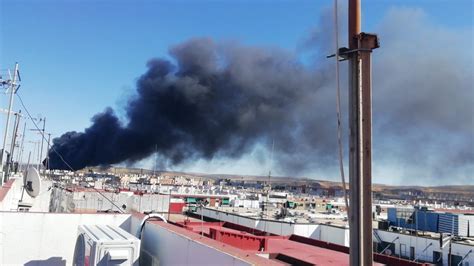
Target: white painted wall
<point>462,250</point>
<point>49,239</point>
<point>161,246</point>
<point>10,201</point>
<point>466,225</point>
<point>255,204</point>
<point>336,235</point>
<point>333,234</point>
<point>46,237</point>
<point>420,243</point>
<point>40,203</point>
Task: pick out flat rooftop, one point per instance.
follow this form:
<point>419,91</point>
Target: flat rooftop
<point>295,215</point>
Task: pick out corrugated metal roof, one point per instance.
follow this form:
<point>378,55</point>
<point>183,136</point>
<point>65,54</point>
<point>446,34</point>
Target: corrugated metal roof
<point>448,223</point>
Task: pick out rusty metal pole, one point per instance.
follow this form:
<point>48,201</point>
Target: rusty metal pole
<point>354,187</point>
<point>354,23</point>
<point>41,150</point>
<point>360,139</point>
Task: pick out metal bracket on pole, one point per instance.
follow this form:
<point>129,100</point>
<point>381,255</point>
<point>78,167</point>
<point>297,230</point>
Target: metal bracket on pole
<point>370,39</point>
<point>368,42</point>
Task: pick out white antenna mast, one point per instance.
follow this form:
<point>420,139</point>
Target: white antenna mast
<point>13,88</point>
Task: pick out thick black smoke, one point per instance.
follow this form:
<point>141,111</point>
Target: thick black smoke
<point>423,97</point>
<point>217,100</point>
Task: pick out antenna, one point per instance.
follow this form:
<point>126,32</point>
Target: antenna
<point>24,176</point>
<point>156,160</point>
<point>20,153</point>
<point>32,182</point>
<point>43,138</point>
<point>271,161</point>
<point>47,152</point>
<point>13,85</point>
<point>10,163</point>
<point>269,187</point>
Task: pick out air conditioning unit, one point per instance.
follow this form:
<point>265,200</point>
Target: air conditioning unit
<point>105,245</point>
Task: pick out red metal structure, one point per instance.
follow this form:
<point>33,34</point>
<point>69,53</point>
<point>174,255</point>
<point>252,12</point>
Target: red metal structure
<point>177,207</point>
<point>294,249</point>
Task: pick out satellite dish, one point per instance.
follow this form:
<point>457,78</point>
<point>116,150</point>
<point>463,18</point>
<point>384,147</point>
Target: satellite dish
<point>32,182</point>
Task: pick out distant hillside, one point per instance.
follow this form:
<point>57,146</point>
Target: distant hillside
<point>450,189</point>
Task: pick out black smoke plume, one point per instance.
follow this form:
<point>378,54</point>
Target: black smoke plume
<point>218,100</point>
<point>215,100</point>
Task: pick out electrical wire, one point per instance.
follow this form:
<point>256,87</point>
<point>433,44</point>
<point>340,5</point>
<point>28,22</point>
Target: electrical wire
<point>338,107</point>
<point>57,153</point>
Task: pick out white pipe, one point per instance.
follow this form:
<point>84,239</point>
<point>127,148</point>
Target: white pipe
<point>145,219</point>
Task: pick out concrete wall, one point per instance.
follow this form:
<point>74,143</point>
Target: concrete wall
<point>87,201</point>
<point>46,238</point>
<point>150,202</point>
<point>91,201</point>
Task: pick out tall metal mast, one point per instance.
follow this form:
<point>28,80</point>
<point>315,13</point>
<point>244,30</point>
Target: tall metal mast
<point>360,138</point>
<point>42,133</point>
<point>13,87</point>
<point>47,151</point>
<point>42,141</point>
<point>13,145</point>
<point>20,154</point>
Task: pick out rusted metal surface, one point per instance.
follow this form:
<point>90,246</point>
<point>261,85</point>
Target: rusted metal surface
<point>354,22</point>
<point>367,42</point>
<point>360,138</point>
<point>354,182</point>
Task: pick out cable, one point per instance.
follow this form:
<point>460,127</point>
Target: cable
<point>338,108</point>
<point>57,153</point>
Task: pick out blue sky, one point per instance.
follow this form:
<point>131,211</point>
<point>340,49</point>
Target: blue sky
<point>78,57</point>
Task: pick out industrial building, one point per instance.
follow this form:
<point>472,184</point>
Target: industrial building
<point>457,224</point>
